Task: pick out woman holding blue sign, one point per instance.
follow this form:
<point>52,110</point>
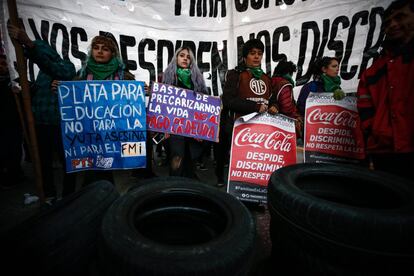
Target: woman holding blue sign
<point>183,72</point>
<point>104,63</point>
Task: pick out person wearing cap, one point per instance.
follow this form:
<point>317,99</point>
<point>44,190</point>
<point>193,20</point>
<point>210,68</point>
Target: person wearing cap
<point>247,89</point>
<point>45,104</point>
<point>386,95</point>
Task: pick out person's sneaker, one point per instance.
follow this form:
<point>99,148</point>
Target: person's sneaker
<point>30,199</point>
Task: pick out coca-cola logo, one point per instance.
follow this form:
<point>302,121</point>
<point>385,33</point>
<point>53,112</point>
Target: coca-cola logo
<point>276,140</point>
<point>344,118</point>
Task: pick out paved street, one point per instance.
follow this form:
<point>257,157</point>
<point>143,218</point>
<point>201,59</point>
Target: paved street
<point>13,210</point>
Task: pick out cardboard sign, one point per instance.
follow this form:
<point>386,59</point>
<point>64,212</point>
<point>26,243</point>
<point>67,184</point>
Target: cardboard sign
<point>183,112</point>
<point>260,146</point>
<point>103,124</point>
<point>332,129</point>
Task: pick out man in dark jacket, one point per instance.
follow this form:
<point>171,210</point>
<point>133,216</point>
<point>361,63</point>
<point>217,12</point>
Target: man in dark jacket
<point>247,89</point>
<point>386,95</point>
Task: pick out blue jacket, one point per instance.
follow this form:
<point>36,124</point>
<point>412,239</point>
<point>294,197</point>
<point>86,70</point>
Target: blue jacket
<point>313,86</point>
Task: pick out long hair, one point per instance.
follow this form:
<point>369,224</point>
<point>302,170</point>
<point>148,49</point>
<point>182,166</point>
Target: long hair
<point>108,42</point>
<point>170,74</point>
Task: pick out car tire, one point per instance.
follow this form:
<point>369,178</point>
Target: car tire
<point>173,227</point>
<point>331,219</point>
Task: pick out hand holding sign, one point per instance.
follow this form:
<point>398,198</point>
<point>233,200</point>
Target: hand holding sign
<point>183,112</point>
<point>103,124</point>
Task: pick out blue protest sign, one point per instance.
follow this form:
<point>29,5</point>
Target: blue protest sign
<point>103,124</point>
<point>183,112</point>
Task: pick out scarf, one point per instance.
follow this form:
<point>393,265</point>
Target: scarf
<point>102,71</point>
<point>257,72</point>
<point>184,76</point>
<point>330,84</point>
<point>289,78</point>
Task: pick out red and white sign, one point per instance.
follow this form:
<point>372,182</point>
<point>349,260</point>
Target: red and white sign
<point>260,146</point>
<point>332,128</point>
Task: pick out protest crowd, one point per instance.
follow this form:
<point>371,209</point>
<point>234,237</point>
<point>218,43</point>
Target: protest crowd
<point>99,123</point>
<point>247,89</point>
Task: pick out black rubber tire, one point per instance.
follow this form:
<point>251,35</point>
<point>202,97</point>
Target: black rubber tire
<point>174,227</point>
<point>142,182</point>
<point>60,240</point>
<point>341,220</point>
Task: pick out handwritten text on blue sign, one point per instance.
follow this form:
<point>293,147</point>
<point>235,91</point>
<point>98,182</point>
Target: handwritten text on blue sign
<point>103,124</point>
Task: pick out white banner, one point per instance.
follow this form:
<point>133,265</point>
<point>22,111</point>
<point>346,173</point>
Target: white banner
<point>149,31</point>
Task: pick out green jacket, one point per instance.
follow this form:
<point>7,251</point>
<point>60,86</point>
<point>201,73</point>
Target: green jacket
<point>45,105</point>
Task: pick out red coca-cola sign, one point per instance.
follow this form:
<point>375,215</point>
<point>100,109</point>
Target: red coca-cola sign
<point>259,149</point>
<point>335,130</point>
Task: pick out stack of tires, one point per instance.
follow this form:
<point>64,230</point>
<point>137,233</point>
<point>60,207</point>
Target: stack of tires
<point>176,226</point>
<point>341,220</point>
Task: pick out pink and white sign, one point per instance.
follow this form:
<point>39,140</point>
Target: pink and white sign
<point>332,129</point>
<point>260,146</point>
